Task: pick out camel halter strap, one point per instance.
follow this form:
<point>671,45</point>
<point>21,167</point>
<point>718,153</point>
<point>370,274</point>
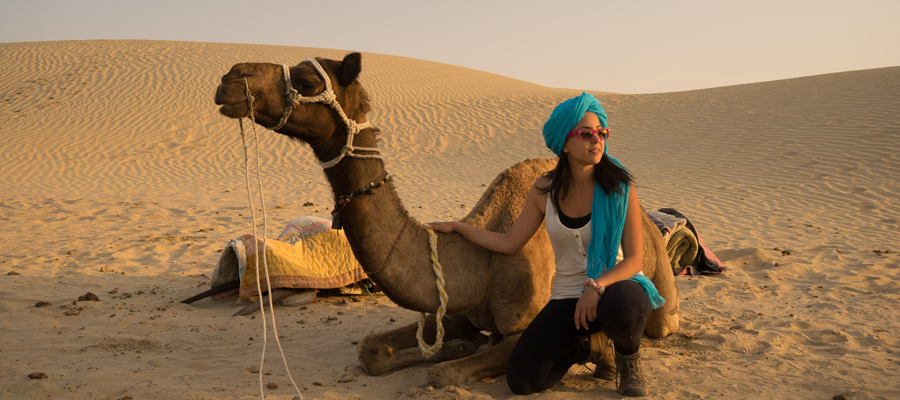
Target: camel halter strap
<point>293,98</point>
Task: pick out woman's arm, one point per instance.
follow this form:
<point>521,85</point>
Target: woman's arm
<point>632,245</point>
<point>518,235</point>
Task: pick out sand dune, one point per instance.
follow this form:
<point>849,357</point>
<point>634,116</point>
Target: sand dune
<point>121,178</point>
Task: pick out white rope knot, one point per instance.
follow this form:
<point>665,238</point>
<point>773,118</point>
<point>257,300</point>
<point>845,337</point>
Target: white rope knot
<point>294,97</point>
<point>328,98</point>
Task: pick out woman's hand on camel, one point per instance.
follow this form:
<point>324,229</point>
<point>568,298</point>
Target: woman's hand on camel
<point>586,309</point>
<point>444,227</point>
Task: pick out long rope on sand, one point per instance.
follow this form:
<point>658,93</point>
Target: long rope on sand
<point>262,198</point>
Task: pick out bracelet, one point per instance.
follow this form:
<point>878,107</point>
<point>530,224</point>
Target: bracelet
<point>590,284</point>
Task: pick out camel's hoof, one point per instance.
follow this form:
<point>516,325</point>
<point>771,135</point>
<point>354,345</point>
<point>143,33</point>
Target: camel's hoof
<point>440,376</point>
<point>373,357</point>
<point>455,349</point>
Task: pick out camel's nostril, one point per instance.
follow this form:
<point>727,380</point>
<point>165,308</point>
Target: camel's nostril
<point>246,74</point>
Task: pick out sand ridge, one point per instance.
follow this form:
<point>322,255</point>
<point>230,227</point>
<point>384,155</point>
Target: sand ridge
<point>121,178</point>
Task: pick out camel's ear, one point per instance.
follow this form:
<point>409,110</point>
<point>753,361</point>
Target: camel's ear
<point>350,68</point>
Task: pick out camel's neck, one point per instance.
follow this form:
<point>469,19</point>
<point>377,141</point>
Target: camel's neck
<point>373,223</point>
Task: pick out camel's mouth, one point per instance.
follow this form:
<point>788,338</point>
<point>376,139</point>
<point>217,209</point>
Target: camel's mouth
<point>237,110</point>
<point>233,100</point>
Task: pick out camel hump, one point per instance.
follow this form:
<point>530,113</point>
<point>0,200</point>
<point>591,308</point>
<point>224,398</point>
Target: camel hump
<point>504,199</point>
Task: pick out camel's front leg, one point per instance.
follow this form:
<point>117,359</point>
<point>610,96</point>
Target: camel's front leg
<point>382,352</point>
<point>664,320</point>
<point>487,363</point>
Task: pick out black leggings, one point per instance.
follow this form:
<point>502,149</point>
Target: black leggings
<point>543,354</point>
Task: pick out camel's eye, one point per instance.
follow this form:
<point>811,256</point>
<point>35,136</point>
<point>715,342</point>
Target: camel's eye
<point>307,87</point>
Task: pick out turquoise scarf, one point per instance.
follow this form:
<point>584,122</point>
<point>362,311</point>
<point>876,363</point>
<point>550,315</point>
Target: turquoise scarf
<point>607,211</point>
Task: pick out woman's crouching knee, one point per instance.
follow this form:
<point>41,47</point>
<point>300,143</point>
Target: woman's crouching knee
<point>519,383</point>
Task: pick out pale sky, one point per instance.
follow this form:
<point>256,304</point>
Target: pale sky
<point>614,46</point>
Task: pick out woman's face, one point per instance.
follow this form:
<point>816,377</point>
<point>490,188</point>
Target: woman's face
<point>581,152</point>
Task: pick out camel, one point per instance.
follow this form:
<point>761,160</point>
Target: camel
<point>488,292</point>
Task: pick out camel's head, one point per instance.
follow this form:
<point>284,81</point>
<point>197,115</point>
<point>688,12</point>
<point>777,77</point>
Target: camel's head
<point>310,122</point>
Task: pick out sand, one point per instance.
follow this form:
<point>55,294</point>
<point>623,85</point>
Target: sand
<point>120,178</point>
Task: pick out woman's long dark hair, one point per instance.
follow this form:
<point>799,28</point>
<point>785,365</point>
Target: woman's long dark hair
<point>608,174</point>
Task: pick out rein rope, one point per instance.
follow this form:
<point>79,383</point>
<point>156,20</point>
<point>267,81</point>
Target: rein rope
<point>293,98</point>
<point>430,351</point>
<point>262,198</point>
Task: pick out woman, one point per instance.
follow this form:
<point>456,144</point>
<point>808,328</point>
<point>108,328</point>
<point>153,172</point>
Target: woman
<point>594,223</point>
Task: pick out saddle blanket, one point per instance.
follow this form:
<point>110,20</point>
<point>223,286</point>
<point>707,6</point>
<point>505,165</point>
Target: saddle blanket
<point>307,255</point>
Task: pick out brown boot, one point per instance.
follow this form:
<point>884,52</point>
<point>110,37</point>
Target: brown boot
<point>598,350</point>
<point>603,357</point>
<point>631,381</point>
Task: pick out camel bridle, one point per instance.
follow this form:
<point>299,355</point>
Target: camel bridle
<point>293,98</point>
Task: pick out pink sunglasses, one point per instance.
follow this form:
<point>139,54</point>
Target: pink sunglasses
<point>587,134</point>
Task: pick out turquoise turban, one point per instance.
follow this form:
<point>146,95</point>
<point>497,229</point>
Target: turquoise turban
<point>607,209</point>
<point>566,115</point>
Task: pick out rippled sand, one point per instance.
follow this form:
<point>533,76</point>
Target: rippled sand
<point>120,178</point>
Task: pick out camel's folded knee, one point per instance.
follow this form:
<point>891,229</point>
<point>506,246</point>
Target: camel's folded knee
<point>663,322</point>
<point>662,330</point>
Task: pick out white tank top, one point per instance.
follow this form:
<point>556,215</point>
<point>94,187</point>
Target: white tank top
<point>570,252</point>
